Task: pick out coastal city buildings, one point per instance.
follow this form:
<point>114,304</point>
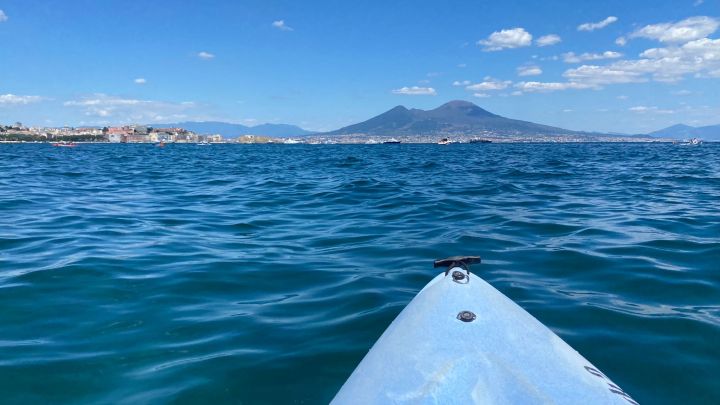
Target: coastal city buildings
<point>120,134</point>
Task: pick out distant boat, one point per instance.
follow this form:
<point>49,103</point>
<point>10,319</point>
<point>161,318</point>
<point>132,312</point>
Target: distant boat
<point>391,140</point>
<point>477,140</point>
<point>444,141</point>
<point>692,142</point>
<point>65,144</point>
<point>204,143</point>
<point>160,144</point>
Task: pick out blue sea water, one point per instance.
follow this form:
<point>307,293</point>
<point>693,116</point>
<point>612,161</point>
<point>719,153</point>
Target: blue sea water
<point>263,273</point>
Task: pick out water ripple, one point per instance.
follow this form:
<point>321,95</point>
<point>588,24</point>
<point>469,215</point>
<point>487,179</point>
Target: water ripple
<point>134,274</point>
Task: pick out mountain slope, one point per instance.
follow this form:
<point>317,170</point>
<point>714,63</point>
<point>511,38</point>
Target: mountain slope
<point>681,131</point>
<point>453,118</point>
<point>229,130</point>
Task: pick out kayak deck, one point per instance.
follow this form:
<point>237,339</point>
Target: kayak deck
<point>462,341</point>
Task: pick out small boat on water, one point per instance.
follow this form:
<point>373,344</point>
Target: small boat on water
<point>444,141</point>
<point>461,341</point>
<point>204,143</point>
<point>692,142</point>
<point>391,140</point>
<point>64,144</point>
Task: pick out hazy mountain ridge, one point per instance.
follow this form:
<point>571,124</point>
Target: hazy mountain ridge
<point>452,118</point>
<point>230,130</point>
<point>682,131</point>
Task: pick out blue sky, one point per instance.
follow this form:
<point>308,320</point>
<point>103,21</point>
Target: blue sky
<point>624,66</point>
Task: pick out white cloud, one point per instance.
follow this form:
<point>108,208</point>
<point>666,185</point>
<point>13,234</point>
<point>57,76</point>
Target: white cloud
<point>461,83</point>
<point>681,93</point>
<point>547,40</point>
<point>567,110</point>
<point>481,95</point>
<point>621,41</point>
<point>680,32</point>
<point>641,109</point>
<point>3,16</point>
<point>598,25</point>
<point>700,58</point>
<point>506,39</point>
<point>622,97</point>
<point>13,99</point>
<point>489,84</point>
<point>571,57</point>
<point>600,75</point>
<point>280,24</point>
<point>462,65</point>
<point>529,70</point>
<point>544,87</point>
<point>128,110</point>
<point>205,55</point>
<point>415,91</point>
<point>140,80</point>
<point>698,2</point>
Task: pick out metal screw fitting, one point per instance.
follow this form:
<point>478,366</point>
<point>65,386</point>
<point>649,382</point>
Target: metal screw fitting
<point>466,316</point>
<point>458,275</point>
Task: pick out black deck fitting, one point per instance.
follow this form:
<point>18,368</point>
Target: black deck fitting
<point>463,262</point>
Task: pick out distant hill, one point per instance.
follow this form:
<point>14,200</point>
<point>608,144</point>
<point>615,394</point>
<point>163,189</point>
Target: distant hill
<point>229,130</point>
<point>453,118</point>
<point>681,131</point>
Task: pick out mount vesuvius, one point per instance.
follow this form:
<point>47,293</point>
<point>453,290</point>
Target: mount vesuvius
<point>453,118</point>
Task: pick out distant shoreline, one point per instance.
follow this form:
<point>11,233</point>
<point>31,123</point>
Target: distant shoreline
<point>670,141</point>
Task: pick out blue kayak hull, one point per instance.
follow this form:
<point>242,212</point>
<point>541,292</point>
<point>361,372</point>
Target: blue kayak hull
<point>496,354</point>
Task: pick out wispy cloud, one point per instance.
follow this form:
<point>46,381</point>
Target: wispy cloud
<point>571,57</point>
<point>641,109</point>
<point>13,99</point>
<point>415,91</point>
<point>489,84</point>
<point>545,87</point>
<point>597,25</point>
<point>681,92</point>
<point>547,40</point>
<point>457,83</point>
<point>506,39</point>
<point>140,80</point>
<point>683,31</point>
<point>669,64</point>
<point>481,95</point>
<point>205,55</point>
<point>3,16</point>
<point>621,41</point>
<point>280,24</point>
<point>129,110</point>
<point>530,70</point>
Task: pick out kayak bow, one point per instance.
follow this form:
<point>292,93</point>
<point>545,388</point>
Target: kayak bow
<point>461,341</point>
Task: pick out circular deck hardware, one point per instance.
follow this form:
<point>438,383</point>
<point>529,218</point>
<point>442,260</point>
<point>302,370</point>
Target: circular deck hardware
<point>460,277</point>
<point>466,316</point>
